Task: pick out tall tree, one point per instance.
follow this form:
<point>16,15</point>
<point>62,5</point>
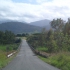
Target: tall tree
<point>57,24</point>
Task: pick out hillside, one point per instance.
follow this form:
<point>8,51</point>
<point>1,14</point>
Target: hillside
<point>19,27</point>
<point>42,23</point>
<point>4,20</point>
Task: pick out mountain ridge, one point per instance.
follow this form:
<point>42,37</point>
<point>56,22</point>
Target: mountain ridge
<point>19,27</point>
<point>42,23</point>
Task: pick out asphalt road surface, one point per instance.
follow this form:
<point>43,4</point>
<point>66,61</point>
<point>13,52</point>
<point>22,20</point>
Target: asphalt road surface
<point>27,60</point>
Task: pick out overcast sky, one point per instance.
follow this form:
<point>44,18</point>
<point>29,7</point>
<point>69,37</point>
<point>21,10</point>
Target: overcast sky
<point>33,10</point>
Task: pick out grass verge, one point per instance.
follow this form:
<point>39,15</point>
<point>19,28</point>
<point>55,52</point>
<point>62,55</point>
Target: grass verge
<point>61,60</point>
<point>43,49</point>
<point>4,60</point>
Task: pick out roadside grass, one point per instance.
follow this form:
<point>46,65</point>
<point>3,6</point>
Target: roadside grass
<point>4,60</point>
<point>61,60</point>
<point>2,47</point>
<point>43,49</point>
<point>9,47</point>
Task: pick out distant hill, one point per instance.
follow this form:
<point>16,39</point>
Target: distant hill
<point>4,20</point>
<point>42,23</point>
<point>7,20</point>
<point>19,27</point>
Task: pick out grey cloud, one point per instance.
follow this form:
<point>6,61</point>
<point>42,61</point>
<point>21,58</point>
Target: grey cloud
<point>30,12</point>
<point>29,15</point>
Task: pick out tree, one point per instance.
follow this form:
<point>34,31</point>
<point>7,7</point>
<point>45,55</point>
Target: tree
<point>2,35</point>
<point>7,37</point>
<point>67,27</point>
<point>57,24</point>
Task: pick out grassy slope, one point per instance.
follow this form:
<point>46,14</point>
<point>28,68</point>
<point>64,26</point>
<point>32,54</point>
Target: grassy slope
<point>3,59</point>
<point>61,60</point>
<point>3,54</point>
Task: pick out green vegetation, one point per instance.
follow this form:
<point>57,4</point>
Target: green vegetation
<point>54,41</point>
<point>7,37</point>
<point>8,44</point>
<point>43,49</point>
<point>9,47</point>
<point>3,59</point>
<point>4,52</point>
<point>60,60</point>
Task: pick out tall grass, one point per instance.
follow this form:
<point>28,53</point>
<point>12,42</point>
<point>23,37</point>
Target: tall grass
<point>3,53</point>
<point>3,47</point>
<point>3,59</point>
<point>43,49</point>
<point>61,60</point>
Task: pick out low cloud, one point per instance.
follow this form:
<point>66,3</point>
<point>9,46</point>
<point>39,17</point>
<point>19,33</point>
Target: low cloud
<point>44,9</point>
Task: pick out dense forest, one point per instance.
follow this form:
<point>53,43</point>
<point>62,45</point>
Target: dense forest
<point>55,42</point>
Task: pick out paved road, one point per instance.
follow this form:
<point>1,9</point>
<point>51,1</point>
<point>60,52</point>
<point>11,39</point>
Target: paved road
<point>26,60</point>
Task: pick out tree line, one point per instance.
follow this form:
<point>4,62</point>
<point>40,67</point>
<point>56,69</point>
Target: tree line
<point>56,39</point>
<point>8,37</point>
<point>22,35</point>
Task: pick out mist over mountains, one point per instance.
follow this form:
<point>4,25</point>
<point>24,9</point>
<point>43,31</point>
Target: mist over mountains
<point>42,23</point>
<point>23,27</point>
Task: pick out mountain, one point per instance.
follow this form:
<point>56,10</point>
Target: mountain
<point>42,23</point>
<point>7,20</point>
<point>19,27</point>
<point>4,20</point>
